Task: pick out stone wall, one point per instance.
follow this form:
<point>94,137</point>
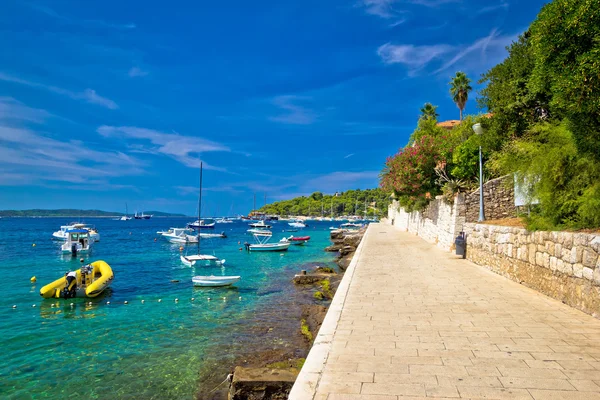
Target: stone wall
<point>562,265</point>
<point>439,223</point>
<point>498,200</point>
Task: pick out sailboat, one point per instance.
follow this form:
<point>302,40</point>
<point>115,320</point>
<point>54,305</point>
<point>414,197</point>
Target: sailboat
<point>192,260</point>
<point>125,217</point>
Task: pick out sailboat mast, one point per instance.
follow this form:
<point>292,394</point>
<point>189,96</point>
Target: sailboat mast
<point>254,204</point>
<point>199,206</point>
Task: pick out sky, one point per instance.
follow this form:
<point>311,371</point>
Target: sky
<point>109,103</point>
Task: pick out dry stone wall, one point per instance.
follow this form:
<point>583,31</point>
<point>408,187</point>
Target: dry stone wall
<point>562,265</point>
<point>498,200</point>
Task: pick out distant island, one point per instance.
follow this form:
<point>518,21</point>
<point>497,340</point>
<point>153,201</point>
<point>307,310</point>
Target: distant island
<point>363,203</point>
<point>69,212</point>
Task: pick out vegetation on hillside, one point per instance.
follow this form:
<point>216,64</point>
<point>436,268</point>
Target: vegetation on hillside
<point>544,125</point>
<point>351,202</point>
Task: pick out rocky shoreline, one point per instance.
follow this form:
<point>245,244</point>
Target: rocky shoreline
<point>269,374</point>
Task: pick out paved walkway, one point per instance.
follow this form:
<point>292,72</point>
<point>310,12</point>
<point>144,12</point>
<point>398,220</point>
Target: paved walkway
<point>411,321</point>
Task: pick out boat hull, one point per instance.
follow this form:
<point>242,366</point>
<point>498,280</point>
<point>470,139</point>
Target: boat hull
<point>269,247</point>
<point>214,281</point>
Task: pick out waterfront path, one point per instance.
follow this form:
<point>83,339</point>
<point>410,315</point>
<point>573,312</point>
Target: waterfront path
<point>411,321</point>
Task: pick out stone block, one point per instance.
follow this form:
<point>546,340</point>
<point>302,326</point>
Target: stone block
<point>596,277</point>
<point>595,243</point>
<point>552,264</point>
<point>567,239</point>
<point>558,266</point>
<point>539,259</point>
<point>262,383</point>
<point>557,250</point>
<point>546,260</point>
<point>576,254</point>
<point>532,250</point>
<point>549,247</point>
<point>578,270</point>
<point>588,273</point>
<point>580,239</point>
<point>567,269</point>
<point>589,257</point>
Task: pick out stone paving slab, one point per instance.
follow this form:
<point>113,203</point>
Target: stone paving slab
<point>410,321</point>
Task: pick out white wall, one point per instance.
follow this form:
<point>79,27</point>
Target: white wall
<point>440,223</point>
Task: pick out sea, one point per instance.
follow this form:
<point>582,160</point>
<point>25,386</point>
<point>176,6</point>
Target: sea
<point>152,335</point>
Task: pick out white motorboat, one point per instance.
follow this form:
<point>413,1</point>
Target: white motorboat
<point>224,221</point>
<point>221,235</point>
<point>175,235</point>
<point>126,217</point>
<point>259,224</point>
<point>201,224</point>
<point>351,225</point>
<point>297,224</point>
<point>260,232</point>
<point>213,281</point>
<point>78,241</point>
<point>262,244</point>
<point>200,259</point>
<point>63,235</point>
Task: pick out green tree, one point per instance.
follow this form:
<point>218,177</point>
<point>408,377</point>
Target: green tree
<point>565,40</point>
<point>429,111</point>
<point>460,86</point>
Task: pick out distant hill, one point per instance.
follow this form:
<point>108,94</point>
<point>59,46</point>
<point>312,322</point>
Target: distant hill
<point>68,212</point>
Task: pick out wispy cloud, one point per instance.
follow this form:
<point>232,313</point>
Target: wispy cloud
<point>135,72</point>
<point>94,23</point>
<point>295,114</point>
<point>88,95</point>
<point>13,110</point>
<point>349,155</point>
<point>38,157</point>
<point>184,149</point>
<point>395,9</point>
<point>443,56</point>
<point>488,9</point>
<point>493,43</point>
<point>414,57</point>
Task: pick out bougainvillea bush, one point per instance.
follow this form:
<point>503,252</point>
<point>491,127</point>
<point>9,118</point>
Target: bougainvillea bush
<point>410,173</point>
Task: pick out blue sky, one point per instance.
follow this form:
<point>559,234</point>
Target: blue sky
<point>114,102</point>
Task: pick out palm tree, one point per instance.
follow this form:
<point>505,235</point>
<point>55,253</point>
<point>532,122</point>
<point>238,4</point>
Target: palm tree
<point>460,88</point>
<point>429,111</point>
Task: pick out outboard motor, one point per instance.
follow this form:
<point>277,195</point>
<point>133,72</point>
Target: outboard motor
<point>223,233</point>
<point>74,249</point>
<point>247,245</point>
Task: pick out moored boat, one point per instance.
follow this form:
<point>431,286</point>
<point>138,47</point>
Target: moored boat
<point>78,241</point>
<point>262,245</point>
<point>298,240</point>
<point>89,281</point>
<point>214,281</point>
<point>259,224</point>
<point>260,232</point>
<point>200,259</point>
<point>201,224</point>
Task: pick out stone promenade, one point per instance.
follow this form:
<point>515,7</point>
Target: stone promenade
<point>410,321</point>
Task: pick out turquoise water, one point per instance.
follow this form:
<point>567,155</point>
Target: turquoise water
<point>160,350</point>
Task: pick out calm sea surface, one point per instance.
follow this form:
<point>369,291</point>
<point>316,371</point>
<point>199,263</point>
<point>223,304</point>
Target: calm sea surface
<point>151,350</point>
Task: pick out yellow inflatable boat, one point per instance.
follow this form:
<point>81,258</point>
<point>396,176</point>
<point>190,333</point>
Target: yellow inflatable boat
<point>88,281</point>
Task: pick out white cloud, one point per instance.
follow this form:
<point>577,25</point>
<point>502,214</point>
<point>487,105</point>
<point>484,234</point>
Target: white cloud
<point>294,114</point>
<point>185,149</point>
<point>488,9</point>
<point>483,51</point>
<point>349,155</point>
<point>137,72</point>
<point>13,110</point>
<point>390,9</point>
<point>88,95</point>
<point>414,57</point>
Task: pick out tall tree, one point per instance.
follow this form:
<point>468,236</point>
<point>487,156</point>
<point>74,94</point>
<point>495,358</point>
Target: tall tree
<point>429,111</point>
<point>460,86</point>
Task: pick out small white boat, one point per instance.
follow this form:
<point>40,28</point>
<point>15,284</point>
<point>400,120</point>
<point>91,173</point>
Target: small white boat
<point>176,235</point>
<point>262,244</point>
<point>201,224</point>
<point>297,224</point>
<point>224,221</point>
<point>78,241</point>
<point>260,232</point>
<point>204,259</point>
<point>221,235</point>
<point>213,281</point>
<point>63,235</point>
<point>259,224</point>
<point>351,225</point>
<point>125,217</point>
